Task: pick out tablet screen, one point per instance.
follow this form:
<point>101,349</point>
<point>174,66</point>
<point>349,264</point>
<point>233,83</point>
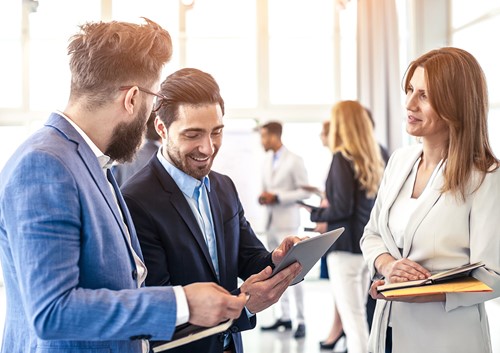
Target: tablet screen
<point>308,252</point>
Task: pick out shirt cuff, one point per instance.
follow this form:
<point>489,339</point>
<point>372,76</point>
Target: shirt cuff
<point>249,313</point>
<point>182,306</point>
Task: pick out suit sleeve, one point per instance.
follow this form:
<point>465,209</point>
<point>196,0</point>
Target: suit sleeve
<point>43,217</point>
<point>484,242</point>
<point>339,193</point>
<point>371,243</point>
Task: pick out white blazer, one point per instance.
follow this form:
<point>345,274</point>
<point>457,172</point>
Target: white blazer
<point>284,180</point>
<point>442,233</point>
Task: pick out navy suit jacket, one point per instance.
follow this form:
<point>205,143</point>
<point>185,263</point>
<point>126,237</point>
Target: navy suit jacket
<point>348,205</point>
<point>175,250</point>
<point>123,172</point>
<point>68,268</point>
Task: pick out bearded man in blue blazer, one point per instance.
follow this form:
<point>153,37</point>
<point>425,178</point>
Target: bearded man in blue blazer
<point>189,219</point>
<point>73,268</point>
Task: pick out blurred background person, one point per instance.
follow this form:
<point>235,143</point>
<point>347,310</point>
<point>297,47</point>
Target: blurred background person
<point>336,331</point>
<point>150,145</point>
<point>383,150</point>
<point>351,187</point>
<point>284,174</point>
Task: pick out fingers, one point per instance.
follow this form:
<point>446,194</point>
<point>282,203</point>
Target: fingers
<point>210,304</point>
<point>267,292</point>
<point>235,304</point>
<point>258,277</point>
<point>263,275</point>
<point>286,276</point>
<point>373,289</point>
<point>284,247</point>
<point>407,270</point>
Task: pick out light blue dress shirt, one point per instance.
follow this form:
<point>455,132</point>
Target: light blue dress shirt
<point>196,194</point>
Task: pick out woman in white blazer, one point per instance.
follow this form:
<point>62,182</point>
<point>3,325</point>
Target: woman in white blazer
<point>437,208</point>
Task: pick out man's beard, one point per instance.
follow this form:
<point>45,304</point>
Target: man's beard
<point>127,138</point>
<point>182,162</point>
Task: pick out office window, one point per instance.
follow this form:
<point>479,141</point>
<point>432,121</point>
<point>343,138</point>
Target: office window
<point>11,67</point>
<point>472,24</point>
<point>301,52</point>
<point>269,56</point>
<point>220,38</point>
<point>494,128</point>
<point>466,11</point>
<point>467,39</point>
<point>49,76</point>
<point>348,49</point>
<point>165,13</point>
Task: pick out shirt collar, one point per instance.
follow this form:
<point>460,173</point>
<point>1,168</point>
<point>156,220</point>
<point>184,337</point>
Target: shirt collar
<point>279,152</point>
<point>185,182</point>
<point>104,161</point>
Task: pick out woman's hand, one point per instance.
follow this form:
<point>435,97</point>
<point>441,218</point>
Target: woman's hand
<point>401,270</point>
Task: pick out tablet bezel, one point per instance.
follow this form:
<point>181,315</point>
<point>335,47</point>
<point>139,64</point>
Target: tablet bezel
<point>307,252</point>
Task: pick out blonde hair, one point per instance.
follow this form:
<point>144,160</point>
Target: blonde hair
<point>351,133</point>
<point>457,92</point>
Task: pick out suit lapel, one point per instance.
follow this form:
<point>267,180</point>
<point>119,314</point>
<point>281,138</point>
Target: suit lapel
<point>96,173</point>
<point>426,201</point>
<point>403,171</point>
<point>134,241</point>
<point>178,201</point>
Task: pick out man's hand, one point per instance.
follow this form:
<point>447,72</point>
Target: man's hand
<point>210,304</point>
<point>265,291</point>
<point>321,227</point>
<point>287,243</point>
<point>266,198</point>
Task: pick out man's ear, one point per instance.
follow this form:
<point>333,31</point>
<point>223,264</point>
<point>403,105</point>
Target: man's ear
<point>130,101</point>
<point>160,128</point>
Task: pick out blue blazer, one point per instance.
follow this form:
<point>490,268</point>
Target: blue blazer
<point>69,274</point>
<point>175,250</point>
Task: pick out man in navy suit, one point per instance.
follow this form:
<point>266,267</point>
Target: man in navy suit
<point>189,219</point>
<point>72,265</point>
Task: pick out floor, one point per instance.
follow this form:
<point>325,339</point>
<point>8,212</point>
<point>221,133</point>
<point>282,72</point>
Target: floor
<point>318,306</point>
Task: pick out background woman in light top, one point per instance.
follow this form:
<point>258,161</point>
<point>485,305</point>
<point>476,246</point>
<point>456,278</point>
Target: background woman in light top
<point>437,208</point>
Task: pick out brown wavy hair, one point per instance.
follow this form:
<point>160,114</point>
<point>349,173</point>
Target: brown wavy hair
<point>457,91</point>
<point>107,55</point>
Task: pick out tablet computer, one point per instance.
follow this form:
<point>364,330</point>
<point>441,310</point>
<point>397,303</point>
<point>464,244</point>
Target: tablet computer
<point>307,252</point>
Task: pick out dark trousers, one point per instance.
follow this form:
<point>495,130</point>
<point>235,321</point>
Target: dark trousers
<point>388,340</point>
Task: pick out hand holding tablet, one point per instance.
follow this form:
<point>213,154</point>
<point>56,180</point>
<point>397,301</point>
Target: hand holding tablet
<point>307,252</point>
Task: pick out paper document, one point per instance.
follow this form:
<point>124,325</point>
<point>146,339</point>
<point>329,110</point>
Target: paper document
<point>461,271</point>
<point>457,285</point>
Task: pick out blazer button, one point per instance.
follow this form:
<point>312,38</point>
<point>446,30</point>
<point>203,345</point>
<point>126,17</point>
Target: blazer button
<point>134,274</point>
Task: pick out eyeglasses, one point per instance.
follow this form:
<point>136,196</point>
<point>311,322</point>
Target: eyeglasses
<point>160,98</point>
